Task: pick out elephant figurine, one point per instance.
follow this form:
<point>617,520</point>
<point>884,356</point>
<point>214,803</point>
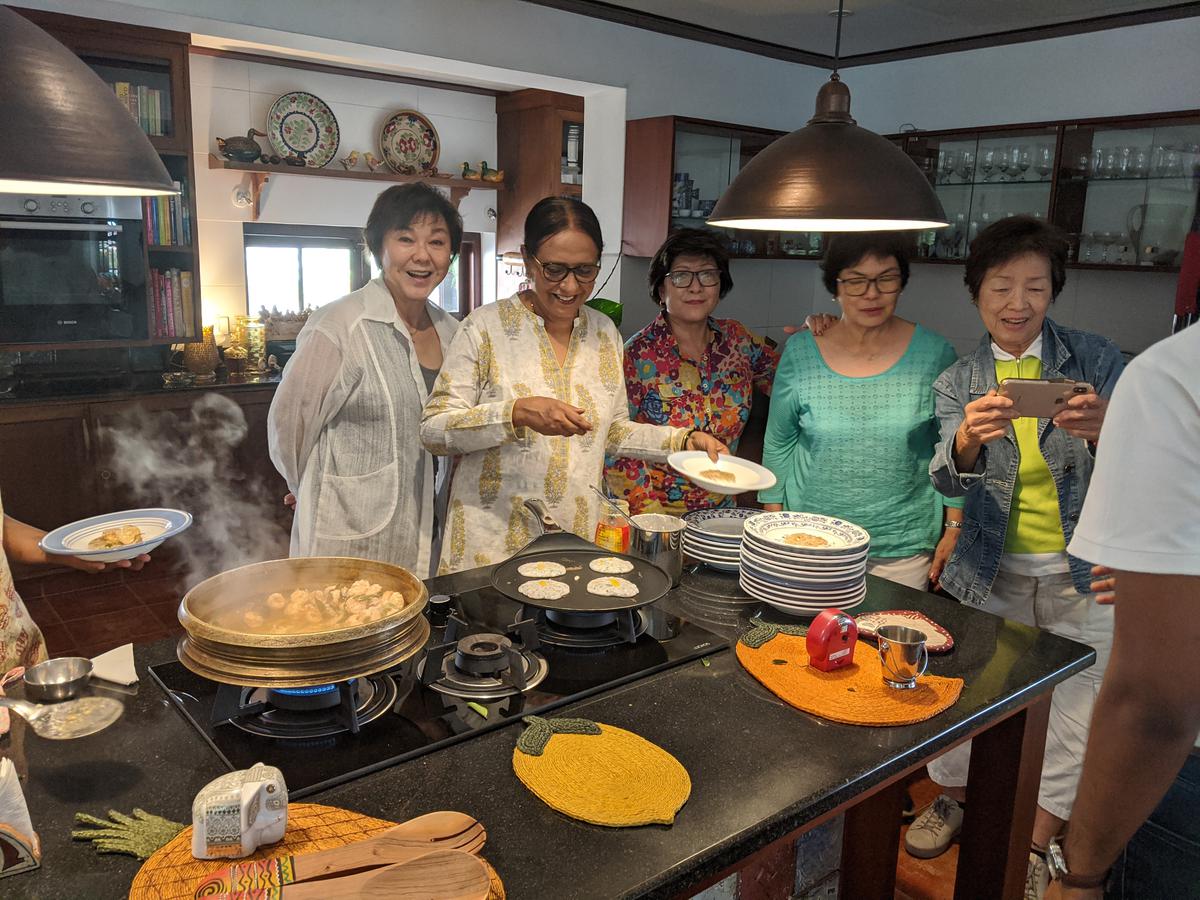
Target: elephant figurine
<point>241,149</point>
<point>239,812</point>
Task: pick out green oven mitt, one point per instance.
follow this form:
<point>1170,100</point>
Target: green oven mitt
<point>137,835</point>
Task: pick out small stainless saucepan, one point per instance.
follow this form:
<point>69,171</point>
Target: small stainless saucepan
<point>57,679</point>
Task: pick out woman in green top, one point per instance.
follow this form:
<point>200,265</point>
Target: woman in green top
<point>852,426</point>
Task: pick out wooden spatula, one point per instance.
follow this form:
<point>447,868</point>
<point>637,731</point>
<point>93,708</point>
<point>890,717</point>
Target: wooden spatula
<point>433,875</point>
<point>405,842</point>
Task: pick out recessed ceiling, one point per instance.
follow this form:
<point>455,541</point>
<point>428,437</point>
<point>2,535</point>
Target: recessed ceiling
<point>873,30</point>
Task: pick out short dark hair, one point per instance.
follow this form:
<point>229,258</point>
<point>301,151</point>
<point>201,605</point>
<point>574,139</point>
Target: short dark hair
<point>401,205</point>
<point>551,215</point>
<point>845,249</point>
<point>688,242</point>
<point>1009,238</point>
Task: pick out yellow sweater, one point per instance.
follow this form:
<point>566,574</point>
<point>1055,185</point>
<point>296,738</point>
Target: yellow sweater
<point>1034,523</point>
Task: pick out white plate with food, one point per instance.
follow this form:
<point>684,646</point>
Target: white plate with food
<point>728,475</point>
<point>808,534</point>
<point>116,536</point>
<point>811,563</point>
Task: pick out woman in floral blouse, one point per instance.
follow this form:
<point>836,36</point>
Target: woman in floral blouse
<point>688,370</point>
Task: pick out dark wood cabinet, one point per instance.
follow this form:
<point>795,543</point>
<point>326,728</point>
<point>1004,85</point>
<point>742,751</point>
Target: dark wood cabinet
<point>1124,189</point>
<point>676,168</point>
<point>56,458</point>
<point>155,60</point>
<point>530,147</point>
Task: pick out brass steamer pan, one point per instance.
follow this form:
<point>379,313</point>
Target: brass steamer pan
<point>219,646</point>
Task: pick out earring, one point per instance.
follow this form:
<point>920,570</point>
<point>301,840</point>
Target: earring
<point>833,299</point>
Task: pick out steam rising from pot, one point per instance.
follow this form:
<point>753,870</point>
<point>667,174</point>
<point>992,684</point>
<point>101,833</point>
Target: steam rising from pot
<point>188,462</point>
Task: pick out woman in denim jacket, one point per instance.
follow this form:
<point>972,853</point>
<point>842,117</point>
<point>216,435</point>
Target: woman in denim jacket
<point>1024,482</point>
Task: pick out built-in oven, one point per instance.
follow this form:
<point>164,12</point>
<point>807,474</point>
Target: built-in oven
<point>71,269</point>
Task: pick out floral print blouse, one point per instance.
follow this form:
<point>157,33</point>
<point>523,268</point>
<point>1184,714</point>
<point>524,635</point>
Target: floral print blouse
<point>712,395</point>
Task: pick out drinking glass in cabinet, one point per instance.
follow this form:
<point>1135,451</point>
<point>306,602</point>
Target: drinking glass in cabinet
<point>1043,162</point>
<point>947,163</point>
<point>989,163</point>
<point>1139,164</point>
<point>965,166</point>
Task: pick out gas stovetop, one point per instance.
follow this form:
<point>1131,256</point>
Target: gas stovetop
<point>488,661</point>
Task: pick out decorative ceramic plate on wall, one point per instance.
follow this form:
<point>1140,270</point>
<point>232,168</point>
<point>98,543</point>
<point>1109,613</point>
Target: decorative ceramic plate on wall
<point>302,124</point>
<point>409,142</point>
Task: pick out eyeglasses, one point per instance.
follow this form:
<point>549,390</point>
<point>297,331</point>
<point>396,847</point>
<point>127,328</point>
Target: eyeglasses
<point>885,284</point>
<point>684,278</point>
<point>556,272</point>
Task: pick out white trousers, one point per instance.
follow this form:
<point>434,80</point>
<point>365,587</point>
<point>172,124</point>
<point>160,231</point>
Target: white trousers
<point>912,571</point>
<point>1049,602</point>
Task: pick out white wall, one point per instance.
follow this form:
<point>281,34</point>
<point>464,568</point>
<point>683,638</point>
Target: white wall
<point>228,96</point>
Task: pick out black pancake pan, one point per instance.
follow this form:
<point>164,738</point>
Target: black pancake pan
<point>574,553</point>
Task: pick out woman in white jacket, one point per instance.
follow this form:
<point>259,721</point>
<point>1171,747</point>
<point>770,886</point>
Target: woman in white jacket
<point>344,425</point>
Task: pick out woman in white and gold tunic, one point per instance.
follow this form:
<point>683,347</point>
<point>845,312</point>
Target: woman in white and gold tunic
<point>532,396</point>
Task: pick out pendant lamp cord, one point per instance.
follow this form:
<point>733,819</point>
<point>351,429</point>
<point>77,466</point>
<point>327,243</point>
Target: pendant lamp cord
<point>837,46</point>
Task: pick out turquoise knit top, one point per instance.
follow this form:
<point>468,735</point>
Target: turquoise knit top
<point>859,448</point>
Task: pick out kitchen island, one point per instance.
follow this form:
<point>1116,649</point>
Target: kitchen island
<point>761,771</point>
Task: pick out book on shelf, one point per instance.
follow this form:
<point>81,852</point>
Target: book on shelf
<point>145,104</point>
<point>168,219</point>
<point>171,304</point>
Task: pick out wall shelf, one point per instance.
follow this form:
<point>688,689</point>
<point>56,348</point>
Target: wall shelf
<point>260,173</point>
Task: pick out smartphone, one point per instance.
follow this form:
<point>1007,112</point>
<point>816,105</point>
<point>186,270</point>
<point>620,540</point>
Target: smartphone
<point>1040,398</point>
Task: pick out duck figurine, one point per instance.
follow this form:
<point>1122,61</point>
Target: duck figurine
<point>241,149</point>
<point>492,175</point>
<point>349,162</point>
<point>468,173</point>
<point>373,162</point>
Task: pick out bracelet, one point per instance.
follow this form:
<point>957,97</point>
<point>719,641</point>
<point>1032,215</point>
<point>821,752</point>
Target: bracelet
<point>687,436</point>
<point>951,524</point>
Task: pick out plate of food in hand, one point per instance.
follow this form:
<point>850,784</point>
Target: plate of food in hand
<point>116,536</point>
<point>728,475</point>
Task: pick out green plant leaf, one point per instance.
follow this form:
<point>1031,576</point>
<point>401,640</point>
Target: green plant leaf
<point>610,308</point>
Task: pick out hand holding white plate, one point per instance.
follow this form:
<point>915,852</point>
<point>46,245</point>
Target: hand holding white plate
<point>728,475</point>
<point>154,525</point>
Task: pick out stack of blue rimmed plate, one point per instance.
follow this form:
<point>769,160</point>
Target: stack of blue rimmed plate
<point>714,536</point>
<point>802,563</point>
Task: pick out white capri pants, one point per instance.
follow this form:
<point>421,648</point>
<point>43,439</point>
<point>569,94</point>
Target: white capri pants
<point>912,571</point>
<point>1051,603</point>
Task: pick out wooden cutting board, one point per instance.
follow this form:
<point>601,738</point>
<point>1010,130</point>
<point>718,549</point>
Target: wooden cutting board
<point>172,872</point>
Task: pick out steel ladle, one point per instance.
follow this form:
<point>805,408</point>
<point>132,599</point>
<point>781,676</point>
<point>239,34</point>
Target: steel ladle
<point>72,719</point>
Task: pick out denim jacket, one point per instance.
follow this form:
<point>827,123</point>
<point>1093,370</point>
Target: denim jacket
<point>1066,353</point>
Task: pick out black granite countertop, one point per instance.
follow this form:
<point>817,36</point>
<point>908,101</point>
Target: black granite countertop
<point>759,768</point>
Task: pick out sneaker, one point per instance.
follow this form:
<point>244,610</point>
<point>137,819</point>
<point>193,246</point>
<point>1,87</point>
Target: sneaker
<point>934,829</point>
<point>1037,878</point>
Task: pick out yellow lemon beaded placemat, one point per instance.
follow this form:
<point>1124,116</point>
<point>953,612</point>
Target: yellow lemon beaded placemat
<point>599,773</point>
<point>778,657</point>
<point>172,873</point>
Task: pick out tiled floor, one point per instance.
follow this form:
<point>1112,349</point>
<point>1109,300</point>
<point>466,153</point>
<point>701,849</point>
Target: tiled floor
<point>84,615</point>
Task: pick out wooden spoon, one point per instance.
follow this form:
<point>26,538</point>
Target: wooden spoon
<point>434,831</point>
<point>433,875</point>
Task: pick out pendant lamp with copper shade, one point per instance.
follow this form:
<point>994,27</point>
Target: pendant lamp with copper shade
<point>830,175</point>
<point>65,132</point>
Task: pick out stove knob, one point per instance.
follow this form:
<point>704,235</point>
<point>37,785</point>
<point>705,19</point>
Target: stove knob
<point>87,207</point>
<point>30,206</point>
<point>440,607</point>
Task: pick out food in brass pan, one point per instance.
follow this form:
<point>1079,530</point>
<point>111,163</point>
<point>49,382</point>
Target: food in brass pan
<point>116,537</point>
<point>610,565</point>
<point>719,475</point>
<point>542,569</point>
<point>800,539</point>
<point>544,589</point>
<point>612,587</point>
<point>335,606</point>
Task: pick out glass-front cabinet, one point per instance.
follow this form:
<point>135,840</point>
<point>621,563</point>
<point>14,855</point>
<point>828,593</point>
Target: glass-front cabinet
<point>676,168</point>
<point>1123,190</point>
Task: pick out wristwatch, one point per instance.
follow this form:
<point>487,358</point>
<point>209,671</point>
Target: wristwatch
<point>1056,862</point>
<point>950,523</point>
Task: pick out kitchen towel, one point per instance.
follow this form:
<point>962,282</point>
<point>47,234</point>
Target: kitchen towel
<point>600,774</point>
<point>172,873</point>
<point>776,655</point>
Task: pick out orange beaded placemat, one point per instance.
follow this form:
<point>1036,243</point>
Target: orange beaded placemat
<point>777,657</point>
<point>172,873</point>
